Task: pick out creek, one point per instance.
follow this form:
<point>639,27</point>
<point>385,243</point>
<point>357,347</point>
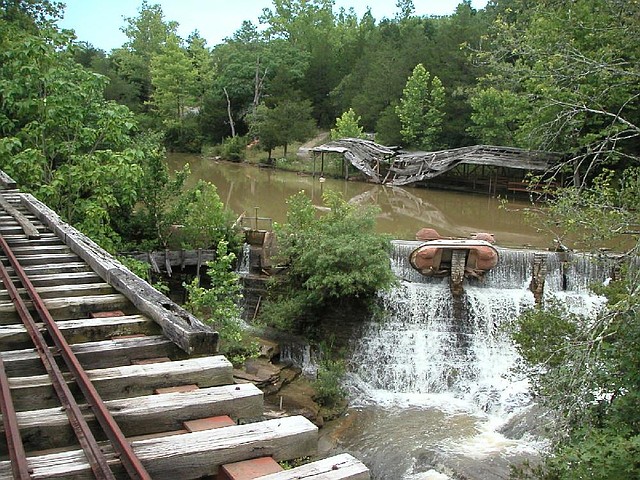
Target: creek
<point>432,385</point>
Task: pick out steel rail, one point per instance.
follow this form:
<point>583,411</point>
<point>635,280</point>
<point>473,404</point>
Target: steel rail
<point>127,456</point>
<point>87,441</point>
<point>19,465</point>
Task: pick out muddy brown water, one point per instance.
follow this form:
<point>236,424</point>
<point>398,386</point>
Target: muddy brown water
<point>403,210</point>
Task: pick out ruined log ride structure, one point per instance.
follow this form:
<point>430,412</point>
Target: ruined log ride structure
<point>454,258</point>
<point>396,167</point>
<point>104,377</point>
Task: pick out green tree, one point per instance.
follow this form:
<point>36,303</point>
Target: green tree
<point>332,259</point>
<point>420,109</point>
<point>60,138</point>
<point>573,67</point>
<point>147,34</point>
<point>286,122</point>
<point>175,94</point>
<point>205,220</point>
<point>347,126</point>
<point>496,116</point>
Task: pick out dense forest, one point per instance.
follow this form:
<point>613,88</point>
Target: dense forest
<point>85,130</point>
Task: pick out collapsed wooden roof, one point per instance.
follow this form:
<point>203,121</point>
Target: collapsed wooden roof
<point>401,167</point>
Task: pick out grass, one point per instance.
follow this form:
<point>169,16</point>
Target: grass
<point>291,162</point>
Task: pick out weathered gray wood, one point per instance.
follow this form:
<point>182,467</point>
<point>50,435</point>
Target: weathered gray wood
<point>47,238</point>
<point>192,455</point>
<point>6,181</point>
<point>83,330</point>
<point>174,258</point>
<point>184,329</point>
<point>64,290</point>
<point>35,392</point>
<point>49,428</point>
<point>56,249</point>
<point>411,167</point>
<point>70,278</point>
<point>339,467</point>
<point>27,227</point>
<point>54,269</point>
<point>101,354</point>
<point>34,259</point>
<point>71,307</point>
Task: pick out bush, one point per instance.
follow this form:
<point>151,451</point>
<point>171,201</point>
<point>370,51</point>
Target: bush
<point>234,149</point>
<point>333,257</point>
<point>328,384</point>
<point>218,306</point>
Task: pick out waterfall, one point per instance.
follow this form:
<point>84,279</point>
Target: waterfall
<point>430,343</point>
<point>244,260</point>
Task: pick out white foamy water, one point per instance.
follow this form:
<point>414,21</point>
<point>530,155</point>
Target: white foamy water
<point>434,377</point>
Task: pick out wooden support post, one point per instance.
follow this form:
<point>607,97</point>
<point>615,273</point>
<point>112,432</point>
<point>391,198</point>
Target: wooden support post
<point>538,277</point>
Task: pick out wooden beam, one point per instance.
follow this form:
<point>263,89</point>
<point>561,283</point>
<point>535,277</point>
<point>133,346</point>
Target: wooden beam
<point>63,290</point>
<point>26,260</point>
<point>70,307</point>
<point>36,392</point>
<point>6,181</point>
<point>191,455</point>
<point>92,355</point>
<point>339,467</point>
<point>70,278</point>
<point>49,428</point>
<point>25,224</point>
<point>82,330</point>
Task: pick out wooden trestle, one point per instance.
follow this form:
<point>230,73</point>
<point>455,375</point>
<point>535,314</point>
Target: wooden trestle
<point>153,365</point>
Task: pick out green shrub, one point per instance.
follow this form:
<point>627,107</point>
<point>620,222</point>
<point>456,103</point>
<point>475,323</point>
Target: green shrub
<point>233,149</point>
<point>332,258</point>
<point>328,383</point>
<point>218,306</point>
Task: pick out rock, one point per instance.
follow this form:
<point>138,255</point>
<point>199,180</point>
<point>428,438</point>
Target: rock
<point>269,349</point>
<point>534,421</point>
<point>297,399</point>
<point>259,371</point>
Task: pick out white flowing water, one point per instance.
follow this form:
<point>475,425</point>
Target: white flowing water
<point>433,380</point>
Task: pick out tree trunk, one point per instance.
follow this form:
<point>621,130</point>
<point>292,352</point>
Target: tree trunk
<point>231,122</point>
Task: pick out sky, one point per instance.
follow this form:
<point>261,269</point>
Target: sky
<point>98,22</point>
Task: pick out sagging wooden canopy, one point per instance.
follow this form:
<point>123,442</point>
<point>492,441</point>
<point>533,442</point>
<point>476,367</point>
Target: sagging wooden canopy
<point>403,167</point>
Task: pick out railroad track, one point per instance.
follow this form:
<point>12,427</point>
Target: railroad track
<point>103,377</point>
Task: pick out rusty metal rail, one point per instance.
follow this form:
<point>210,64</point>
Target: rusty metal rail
<point>93,452</point>
<point>19,465</point>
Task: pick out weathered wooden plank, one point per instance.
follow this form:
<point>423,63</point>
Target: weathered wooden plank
<point>6,181</point>
<point>71,307</point>
<point>47,238</point>
<point>82,330</point>
<point>192,455</point>
<point>27,227</point>
<point>175,258</point>
<point>16,230</point>
<point>184,329</point>
<point>50,258</point>
<point>35,392</point>
<point>58,248</point>
<point>55,269</point>
<point>71,278</point>
<point>339,467</point>
<point>101,354</point>
<point>151,414</point>
<point>64,290</point>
